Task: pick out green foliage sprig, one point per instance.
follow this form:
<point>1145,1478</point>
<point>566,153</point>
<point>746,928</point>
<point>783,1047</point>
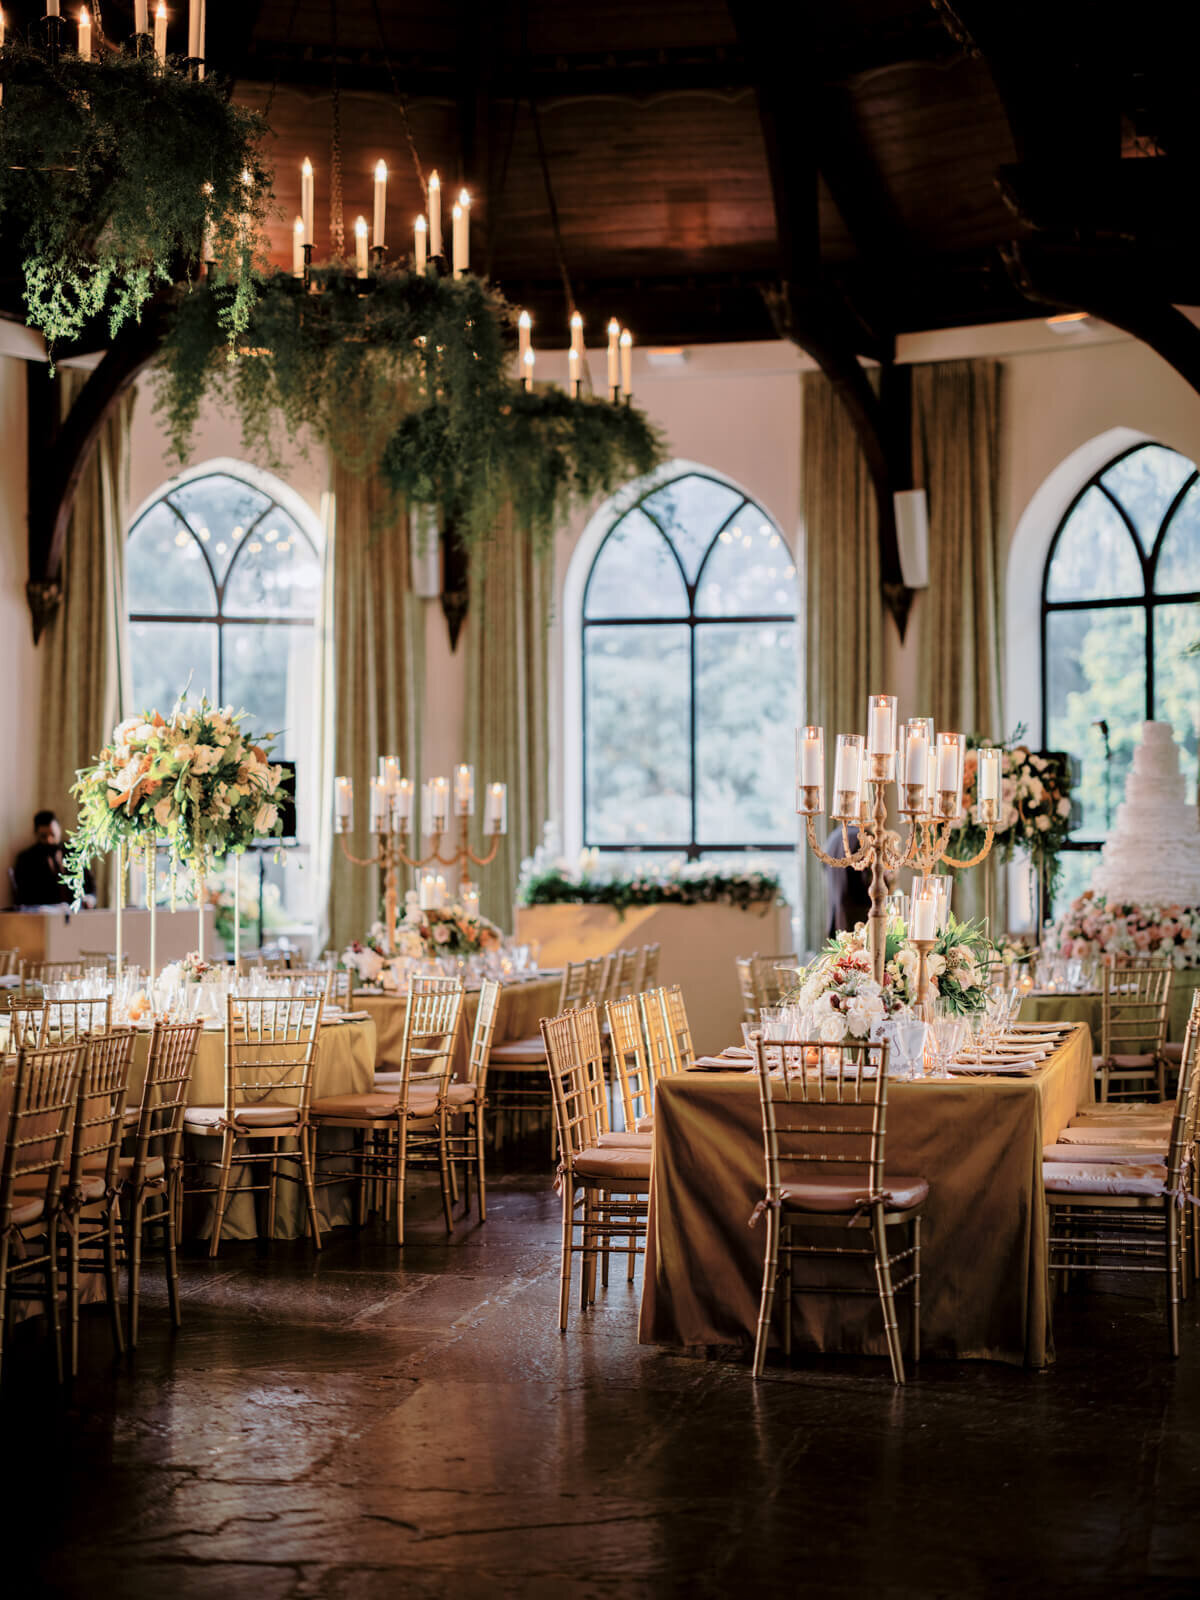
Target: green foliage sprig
<point>111,170</point>
<point>693,887</point>
<point>408,378</point>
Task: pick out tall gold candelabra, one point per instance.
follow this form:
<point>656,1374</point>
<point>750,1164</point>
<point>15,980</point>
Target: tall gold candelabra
<point>392,821</point>
<point>929,771</point>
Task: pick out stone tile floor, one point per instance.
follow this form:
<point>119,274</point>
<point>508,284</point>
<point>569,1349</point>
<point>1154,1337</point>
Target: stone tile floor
<point>362,1424</point>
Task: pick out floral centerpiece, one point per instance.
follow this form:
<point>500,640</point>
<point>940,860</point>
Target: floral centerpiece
<point>368,957</point>
<point>445,930</point>
<point>1035,808</point>
<point>846,1001</point>
<point>1091,927</point>
<point>198,779</point>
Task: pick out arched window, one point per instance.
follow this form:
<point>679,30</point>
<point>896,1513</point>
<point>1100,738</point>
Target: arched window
<point>223,586</point>
<point>1120,606</point>
<point>689,676</point>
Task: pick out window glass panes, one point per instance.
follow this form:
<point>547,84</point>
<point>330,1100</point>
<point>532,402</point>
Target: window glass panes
<point>164,656</point>
<point>1177,680</point>
<point>1145,482</point>
<point>637,767</point>
<point>276,573</point>
<point>165,569</point>
<point>1096,670</point>
<point>1178,569</point>
<point>1077,868</point>
<point>745,691</point>
<point>269,670</point>
<point>749,572</point>
<point>635,574</point>
<point>690,510</point>
<point>220,511</point>
<point>1095,557</point>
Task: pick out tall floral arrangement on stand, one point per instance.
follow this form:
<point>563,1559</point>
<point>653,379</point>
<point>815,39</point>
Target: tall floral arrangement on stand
<point>1035,808</point>
<point>198,780</point>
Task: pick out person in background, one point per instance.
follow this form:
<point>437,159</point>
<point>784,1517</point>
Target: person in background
<point>849,889</point>
<point>37,875</point>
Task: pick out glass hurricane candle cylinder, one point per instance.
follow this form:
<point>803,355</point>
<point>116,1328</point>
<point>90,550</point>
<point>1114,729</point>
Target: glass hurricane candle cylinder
<point>495,817</point>
<point>938,887</point>
<point>810,771</point>
<point>923,925</point>
<point>389,772</point>
<point>439,803</point>
<point>881,737</point>
<point>916,758</point>
<point>847,777</point>
<point>402,805</point>
<point>989,787</point>
<point>464,791</point>
<point>381,807</point>
<point>343,805</point>
<point>948,777</point>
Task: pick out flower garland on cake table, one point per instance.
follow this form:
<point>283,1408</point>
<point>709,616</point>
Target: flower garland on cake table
<point>198,780</point>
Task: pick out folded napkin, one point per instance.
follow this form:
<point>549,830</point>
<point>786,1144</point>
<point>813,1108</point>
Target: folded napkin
<point>356,1016</point>
<point>1020,1067</point>
<point>738,1052</point>
<point>719,1064</point>
<point>1056,1028</point>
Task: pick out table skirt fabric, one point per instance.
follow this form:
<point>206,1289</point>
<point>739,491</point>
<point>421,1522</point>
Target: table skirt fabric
<point>1086,1007</point>
<point>984,1271</point>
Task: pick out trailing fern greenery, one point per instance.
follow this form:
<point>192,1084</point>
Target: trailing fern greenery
<point>110,171</point>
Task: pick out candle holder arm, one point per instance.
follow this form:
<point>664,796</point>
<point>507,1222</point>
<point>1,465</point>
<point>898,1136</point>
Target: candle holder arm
<point>952,861</point>
<point>483,861</point>
<point>833,861</point>
<point>359,861</point>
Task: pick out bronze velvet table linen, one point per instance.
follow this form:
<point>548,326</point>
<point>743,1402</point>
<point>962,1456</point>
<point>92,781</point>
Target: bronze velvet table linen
<point>978,1141</point>
<point>522,1007</point>
<point>1086,1007</point>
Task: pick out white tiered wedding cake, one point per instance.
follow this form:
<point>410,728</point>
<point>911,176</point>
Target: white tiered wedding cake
<point>1153,854</point>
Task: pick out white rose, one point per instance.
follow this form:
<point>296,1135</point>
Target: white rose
<point>833,1028</point>
<point>143,731</point>
<point>184,753</point>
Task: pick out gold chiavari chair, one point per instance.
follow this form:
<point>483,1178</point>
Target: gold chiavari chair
<point>622,967</point>
<point>824,1136</point>
<point>154,1169</point>
<point>631,1068</point>
<point>26,1023</point>
<point>67,1020</point>
<point>604,1188</point>
<point>679,1034</point>
<point>404,1125</point>
<point>270,1045</point>
<point>341,988</point>
<point>44,1089</point>
<point>749,994</point>
<point>1134,1007</point>
<point>467,1098</point>
<point>10,963</point>
<point>645,971</point>
<point>1115,1208</point>
<point>591,1054</point>
<point>526,1058</point>
<point>90,1213</point>
<point>34,973</point>
<point>772,976</point>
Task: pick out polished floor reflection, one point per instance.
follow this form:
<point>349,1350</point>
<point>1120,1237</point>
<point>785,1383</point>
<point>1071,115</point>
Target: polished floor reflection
<point>357,1425</point>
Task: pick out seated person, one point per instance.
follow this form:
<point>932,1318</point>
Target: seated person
<point>37,875</point>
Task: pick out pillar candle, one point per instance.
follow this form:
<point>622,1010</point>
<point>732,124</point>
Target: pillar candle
<point>141,20</point>
<point>306,197</point>
<point>435,214</point>
<point>343,804</point>
<point>916,765</point>
<point>420,243</point>
<point>845,778</point>
<point>402,805</point>
<point>573,372</point>
<point>160,34</point>
<point>496,812</point>
<point>614,357</point>
<point>462,233</point>
<point>439,803</point>
<point>464,791</point>
<point>470,899</point>
<point>924,918</point>
<point>879,731</point>
<point>626,363</point>
<point>380,203</point>
<point>298,248</point>
<point>947,767</point>
<point>812,768</point>
<point>389,771</point>
<point>426,891</point>
<point>381,808</point>
<point>577,334</point>
<point>360,246</point>
<point>85,33</point>
<point>989,775</point>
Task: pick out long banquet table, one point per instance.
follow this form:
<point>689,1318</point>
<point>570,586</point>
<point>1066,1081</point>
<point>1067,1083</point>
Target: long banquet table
<point>984,1275</point>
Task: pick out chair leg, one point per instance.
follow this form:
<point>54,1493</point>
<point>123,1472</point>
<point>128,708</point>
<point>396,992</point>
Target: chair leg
<point>3,1294</point>
<point>588,1276</point>
<point>401,1177</point>
<point>170,1228</point>
<point>446,1121</point>
<point>445,1171</point>
<point>72,1232</point>
<point>767,1298</point>
<point>883,1277</point>
<point>307,1142</point>
<point>604,1241</point>
<point>133,1263</point>
<point>568,1232</point>
<point>272,1185</point>
<point>916,1291</point>
<point>112,1223</point>
<point>480,1181</point>
<point>1173,1277</point>
<point>52,1289</point>
<point>1103,1085</point>
<point>788,1265</point>
<point>222,1200</point>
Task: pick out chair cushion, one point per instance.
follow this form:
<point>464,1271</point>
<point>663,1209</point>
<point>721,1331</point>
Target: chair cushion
<point>1128,1063</point>
<point>835,1193</point>
<point>458,1094</point>
<point>519,1053</point>
<point>626,1140</point>
<point>1062,1177</point>
<point>206,1119</point>
<point>645,1124</point>
<point>1117,1133</point>
<point>27,1208</point>
<point>462,1094</point>
<point>613,1161</point>
<point>1173,1053</point>
<point>1126,1111</point>
<point>360,1108</point>
<point>153,1169</point>
<point>1112,1154</point>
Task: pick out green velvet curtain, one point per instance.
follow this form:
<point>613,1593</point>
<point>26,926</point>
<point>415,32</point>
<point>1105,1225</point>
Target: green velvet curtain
<point>377,664</point>
<point>85,656</point>
<point>507,709</point>
<point>844,619</point>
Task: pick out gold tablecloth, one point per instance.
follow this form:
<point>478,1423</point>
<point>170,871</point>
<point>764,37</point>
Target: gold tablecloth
<point>1086,1007</point>
<point>522,1006</point>
<point>984,1275</point>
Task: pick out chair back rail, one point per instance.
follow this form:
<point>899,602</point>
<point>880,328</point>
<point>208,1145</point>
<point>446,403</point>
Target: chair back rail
<point>589,1046</point>
<point>646,976</point>
<point>629,1060</point>
<point>44,972</point>
<point>1181,1145</point>
<point>659,1056</point>
<point>45,1087</point>
<point>100,1106</point>
<point>270,1043</point>
<point>26,1022</point>
<point>10,963</point>
<point>431,1026</point>
<point>1135,1003</point>
<point>825,1112</point>
<point>578,980</point>
<point>576,1122</point>
<point>749,994</point>
<point>169,1068</point>
<point>67,1020</point>
<point>769,982</point>
<point>679,1033</point>
<point>481,1035</point>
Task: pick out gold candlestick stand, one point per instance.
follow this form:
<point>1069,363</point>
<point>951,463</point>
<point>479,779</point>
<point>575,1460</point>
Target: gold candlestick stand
<point>924,948</point>
<point>391,856</point>
<point>882,852</point>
